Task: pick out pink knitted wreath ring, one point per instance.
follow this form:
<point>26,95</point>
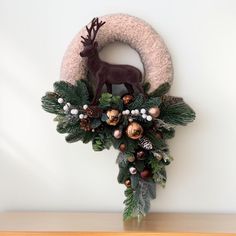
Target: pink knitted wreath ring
<point>130,30</point>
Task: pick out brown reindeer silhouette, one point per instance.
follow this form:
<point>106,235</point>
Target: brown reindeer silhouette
<point>106,73</point>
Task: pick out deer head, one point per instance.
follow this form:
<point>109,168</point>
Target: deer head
<point>90,45</point>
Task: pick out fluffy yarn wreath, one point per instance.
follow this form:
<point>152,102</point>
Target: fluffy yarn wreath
<point>129,30</point>
<point>138,125</point>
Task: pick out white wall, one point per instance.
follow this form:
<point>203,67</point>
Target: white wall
<point>40,171</point>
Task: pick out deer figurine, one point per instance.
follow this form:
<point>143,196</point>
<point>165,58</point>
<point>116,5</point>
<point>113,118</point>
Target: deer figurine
<point>106,73</point>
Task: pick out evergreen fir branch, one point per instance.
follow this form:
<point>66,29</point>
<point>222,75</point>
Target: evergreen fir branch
<point>146,87</point>
<point>130,144</point>
<point>137,202</point>
<point>168,133</point>
<point>161,177</point>
<point>88,136</point>
<point>147,191</point>
<point>152,102</point>
<point>74,137</point>
<point>130,204</point>
<point>156,167</point>
<point>82,92</point>
<point>123,174</point>
<point>77,95</point>
<point>89,88</point>
<point>139,164</point>
<point>121,160</point>
<point>64,126</point>
<point>50,103</point>
<point>95,123</point>
<point>159,144</point>
<point>137,103</point>
<point>101,141</point>
<point>161,90</point>
<point>134,181</point>
<point>177,114</point>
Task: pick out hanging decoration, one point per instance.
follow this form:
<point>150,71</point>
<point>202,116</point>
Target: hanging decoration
<point>139,122</point>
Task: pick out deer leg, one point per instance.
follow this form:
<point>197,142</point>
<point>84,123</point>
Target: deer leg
<point>109,88</point>
<point>139,87</point>
<point>98,93</point>
<point>129,88</point>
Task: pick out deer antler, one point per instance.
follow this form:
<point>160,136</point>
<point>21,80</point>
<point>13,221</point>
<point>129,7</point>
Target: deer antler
<point>92,31</point>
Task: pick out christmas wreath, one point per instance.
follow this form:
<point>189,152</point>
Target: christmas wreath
<point>138,123</point>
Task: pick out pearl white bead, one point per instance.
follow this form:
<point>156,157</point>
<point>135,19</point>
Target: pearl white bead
<point>144,116</point>
<point>66,108</point>
<point>133,112</point>
<point>143,111</point>
<point>127,112</point>
<point>74,111</point>
<point>60,100</point>
<point>68,104</point>
<point>149,118</point>
<point>85,116</point>
<point>85,106</point>
<point>136,111</point>
<point>130,119</point>
<point>123,112</point>
<point>81,116</point>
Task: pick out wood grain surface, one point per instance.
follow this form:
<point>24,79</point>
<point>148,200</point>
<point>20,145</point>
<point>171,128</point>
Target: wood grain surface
<point>97,224</point>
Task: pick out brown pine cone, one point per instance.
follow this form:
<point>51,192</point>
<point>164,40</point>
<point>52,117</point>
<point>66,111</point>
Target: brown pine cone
<point>85,124</point>
<point>169,100</point>
<point>93,112</point>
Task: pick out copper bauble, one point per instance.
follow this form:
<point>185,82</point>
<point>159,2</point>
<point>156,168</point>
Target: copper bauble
<point>145,174</point>
<point>140,155</point>
<point>122,147</point>
<point>113,117</point>
<point>127,99</point>
<point>159,135</point>
<point>131,158</point>
<point>128,183</point>
<point>154,111</point>
<point>134,130</point>
<point>117,133</point>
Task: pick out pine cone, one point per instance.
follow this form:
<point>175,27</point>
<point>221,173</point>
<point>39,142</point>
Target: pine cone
<point>145,143</point>
<point>85,124</point>
<point>169,100</point>
<point>93,112</point>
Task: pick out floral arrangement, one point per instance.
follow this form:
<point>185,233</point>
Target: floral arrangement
<point>137,125</point>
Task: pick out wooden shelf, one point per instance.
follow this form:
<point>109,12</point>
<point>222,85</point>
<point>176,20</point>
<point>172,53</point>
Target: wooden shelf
<point>98,224</point>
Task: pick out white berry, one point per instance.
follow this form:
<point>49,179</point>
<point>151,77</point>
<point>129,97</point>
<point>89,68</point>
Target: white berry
<point>130,119</point>
<point>68,104</point>
<point>74,111</point>
<point>136,111</point>
<point>81,116</point>
<point>60,100</point>
<point>127,112</point>
<point>123,112</point>
<point>144,116</point>
<point>143,111</point>
<point>133,112</point>
<point>66,108</point>
<point>85,106</point>
<point>85,116</point>
<point>149,118</point>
